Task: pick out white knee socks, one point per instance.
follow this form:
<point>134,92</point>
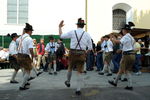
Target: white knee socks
<point>117,78</point>
<point>25,79</point>
<point>14,75</point>
<point>54,67</point>
<point>129,76</point>
<point>85,66</point>
<point>79,82</point>
<point>69,74</point>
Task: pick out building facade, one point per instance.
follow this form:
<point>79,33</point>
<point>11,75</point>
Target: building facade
<point>103,17</point>
<point>108,16</point>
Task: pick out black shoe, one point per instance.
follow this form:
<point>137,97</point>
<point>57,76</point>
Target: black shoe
<point>124,80</point>
<point>115,78</point>
<point>128,88</point>
<point>67,83</point>
<point>112,83</point>
<point>31,78</point>
<point>84,72</point>
<point>109,74</point>
<point>50,73</point>
<point>101,73</point>
<point>23,88</point>
<point>39,73</point>
<point>55,73</point>
<point>14,82</point>
<point>78,93</point>
<point>27,84</point>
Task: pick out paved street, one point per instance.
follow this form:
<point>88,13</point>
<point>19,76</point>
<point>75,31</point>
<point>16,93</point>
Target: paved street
<point>47,87</point>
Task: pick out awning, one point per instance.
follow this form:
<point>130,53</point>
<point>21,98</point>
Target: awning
<point>140,33</point>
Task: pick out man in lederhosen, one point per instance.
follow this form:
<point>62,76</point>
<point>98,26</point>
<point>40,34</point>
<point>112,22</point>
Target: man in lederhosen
<point>13,56</point>
<point>25,54</point>
<point>51,48</point>
<point>77,55</point>
<point>108,49</point>
<point>128,57</point>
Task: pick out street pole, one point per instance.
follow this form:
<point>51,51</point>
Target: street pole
<point>86,15</point>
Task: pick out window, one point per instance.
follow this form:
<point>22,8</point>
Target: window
<point>17,11</point>
<point>119,19</point>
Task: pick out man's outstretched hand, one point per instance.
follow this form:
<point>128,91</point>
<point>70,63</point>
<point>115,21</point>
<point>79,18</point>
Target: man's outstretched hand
<point>61,24</point>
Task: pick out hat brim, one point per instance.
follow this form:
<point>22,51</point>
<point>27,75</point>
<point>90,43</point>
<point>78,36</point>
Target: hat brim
<point>28,29</point>
<point>126,29</point>
<point>80,24</point>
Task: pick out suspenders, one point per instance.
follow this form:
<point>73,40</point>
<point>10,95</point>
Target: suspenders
<point>20,44</point>
<point>78,40</point>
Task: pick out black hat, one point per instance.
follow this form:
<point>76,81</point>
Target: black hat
<point>51,37</point>
<point>28,27</point>
<point>80,22</point>
<point>106,36</point>
<point>128,26</point>
<point>13,35</point>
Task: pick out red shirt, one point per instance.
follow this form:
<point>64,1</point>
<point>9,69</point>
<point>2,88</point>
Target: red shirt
<point>42,49</point>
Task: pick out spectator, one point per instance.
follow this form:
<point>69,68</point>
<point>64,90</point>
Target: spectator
<point>137,65</point>
<point>51,49</point>
<point>141,43</point>
<point>108,56</point>
<point>40,54</point>
<point>90,60</point>
<point>59,54</point>
<point>4,54</point>
<point>117,54</point>
<point>99,57</point>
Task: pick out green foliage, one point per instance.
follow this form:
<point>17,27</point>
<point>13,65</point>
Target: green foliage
<point>7,40</point>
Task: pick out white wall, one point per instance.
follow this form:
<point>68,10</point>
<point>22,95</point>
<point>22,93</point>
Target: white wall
<point>100,17</point>
<point>45,16</point>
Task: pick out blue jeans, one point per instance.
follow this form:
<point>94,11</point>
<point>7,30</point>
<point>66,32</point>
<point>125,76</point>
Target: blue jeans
<point>90,60</point>
<point>137,64</point>
<point>99,61</point>
<point>116,61</point>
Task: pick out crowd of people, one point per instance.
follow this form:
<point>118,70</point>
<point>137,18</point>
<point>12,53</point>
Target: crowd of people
<point>114,53</point>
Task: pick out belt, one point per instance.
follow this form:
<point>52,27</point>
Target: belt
<point>131,52</point>
<point>76,50</point>
<point>25,55</point>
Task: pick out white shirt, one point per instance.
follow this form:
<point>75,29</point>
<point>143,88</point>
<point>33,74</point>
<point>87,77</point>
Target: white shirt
<point>102,45</point>
<point>27,43</point>
<point>84,43</point>
<point>49,45</point>
<point>109,47</point>
<point>13,48</point>
<point>127,42</point>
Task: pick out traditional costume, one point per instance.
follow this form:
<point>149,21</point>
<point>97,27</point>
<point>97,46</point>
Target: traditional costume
<point>24,59</point>
<point>13,57</point>
<point>77,55</point>
<point>128,58</point>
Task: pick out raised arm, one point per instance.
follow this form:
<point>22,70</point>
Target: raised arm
<point>60,27</point>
